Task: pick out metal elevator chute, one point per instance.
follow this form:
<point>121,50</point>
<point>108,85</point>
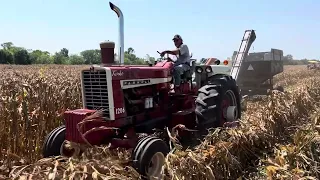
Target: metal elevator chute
<point>248,38</point>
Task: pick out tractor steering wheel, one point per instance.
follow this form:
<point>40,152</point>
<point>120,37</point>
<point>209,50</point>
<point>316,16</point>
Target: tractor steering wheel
<point>165,59</point>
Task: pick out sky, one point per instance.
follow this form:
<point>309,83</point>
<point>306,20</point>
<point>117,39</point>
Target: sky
<point>210,28</point>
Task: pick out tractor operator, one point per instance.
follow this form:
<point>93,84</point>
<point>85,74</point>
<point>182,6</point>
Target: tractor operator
<point>182,63</point>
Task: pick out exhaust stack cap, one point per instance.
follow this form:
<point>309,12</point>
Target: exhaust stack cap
<point>107,52</point>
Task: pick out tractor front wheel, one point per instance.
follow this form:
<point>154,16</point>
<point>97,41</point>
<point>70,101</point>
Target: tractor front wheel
<point>54,144</point>
<point>149,156</point>
<point>54,141</point>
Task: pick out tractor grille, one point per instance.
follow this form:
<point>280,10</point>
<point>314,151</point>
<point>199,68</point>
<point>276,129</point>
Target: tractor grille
<point>95,90</point>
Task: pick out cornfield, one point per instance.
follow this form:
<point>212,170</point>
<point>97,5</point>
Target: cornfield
<point>278,136</point>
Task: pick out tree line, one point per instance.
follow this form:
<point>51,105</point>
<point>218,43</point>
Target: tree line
<point>290,60</point>
<point>11,54</point>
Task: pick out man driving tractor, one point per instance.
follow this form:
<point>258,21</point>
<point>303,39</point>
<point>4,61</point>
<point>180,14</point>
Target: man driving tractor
<point>182,63</point>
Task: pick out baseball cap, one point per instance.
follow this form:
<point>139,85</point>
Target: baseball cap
<point>177,36</point>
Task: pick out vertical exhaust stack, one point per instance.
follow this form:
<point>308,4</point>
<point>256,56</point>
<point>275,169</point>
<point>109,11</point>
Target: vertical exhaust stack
<point>121,32</point>
<point>107,52</point>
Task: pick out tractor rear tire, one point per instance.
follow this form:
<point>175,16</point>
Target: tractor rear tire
<point>54,141</point>
<point>209,101</point>
<point>206,105</point>
<point>152,151</point>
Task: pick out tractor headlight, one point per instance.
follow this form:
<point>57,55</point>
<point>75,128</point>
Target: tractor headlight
<point>199,70</point>
<point>208,69</point>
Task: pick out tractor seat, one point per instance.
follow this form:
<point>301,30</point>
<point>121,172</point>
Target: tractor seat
<point>187,75</point>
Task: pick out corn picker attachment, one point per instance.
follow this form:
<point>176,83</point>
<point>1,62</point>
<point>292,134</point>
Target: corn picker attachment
<point>133,107</point>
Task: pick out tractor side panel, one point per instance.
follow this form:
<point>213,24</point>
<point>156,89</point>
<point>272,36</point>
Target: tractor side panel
<point>143,72</point>
<point>119,104</point>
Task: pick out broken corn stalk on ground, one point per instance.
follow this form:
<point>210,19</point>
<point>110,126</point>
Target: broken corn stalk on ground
<point>278,137</point>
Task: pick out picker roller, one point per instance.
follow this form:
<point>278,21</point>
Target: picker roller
<point>121,103</point>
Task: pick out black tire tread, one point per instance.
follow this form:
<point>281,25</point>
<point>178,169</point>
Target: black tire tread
<point>141,144</point>
<point>54,141</point>
<point>209,97</point>
<point>144,151</point>
<point>49,138</point>
<point>206,103</point>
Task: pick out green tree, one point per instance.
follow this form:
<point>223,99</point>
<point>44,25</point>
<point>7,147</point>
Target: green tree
<point>288,57</point>
<point>150,59</point>
<point>22,57</point>
<point>38,55</point>
<point>7,45</point>
<point>92,56</point>
<point>45,59</point>
<point>6,57</point>
<point>131,58</point>
<point>10,54</point>
<point>64,52</point>
<point>130,50</point>
<point>15,49</point>
<point>59,58</point>
<point>76,59</point>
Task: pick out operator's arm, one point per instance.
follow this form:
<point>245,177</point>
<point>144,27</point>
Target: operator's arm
<point>182,50</point>
<point>172,52</point>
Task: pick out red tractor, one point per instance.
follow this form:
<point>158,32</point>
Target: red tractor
<point>120,103</point>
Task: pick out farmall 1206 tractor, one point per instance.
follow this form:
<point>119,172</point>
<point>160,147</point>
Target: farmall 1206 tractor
<point>121,103</point>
